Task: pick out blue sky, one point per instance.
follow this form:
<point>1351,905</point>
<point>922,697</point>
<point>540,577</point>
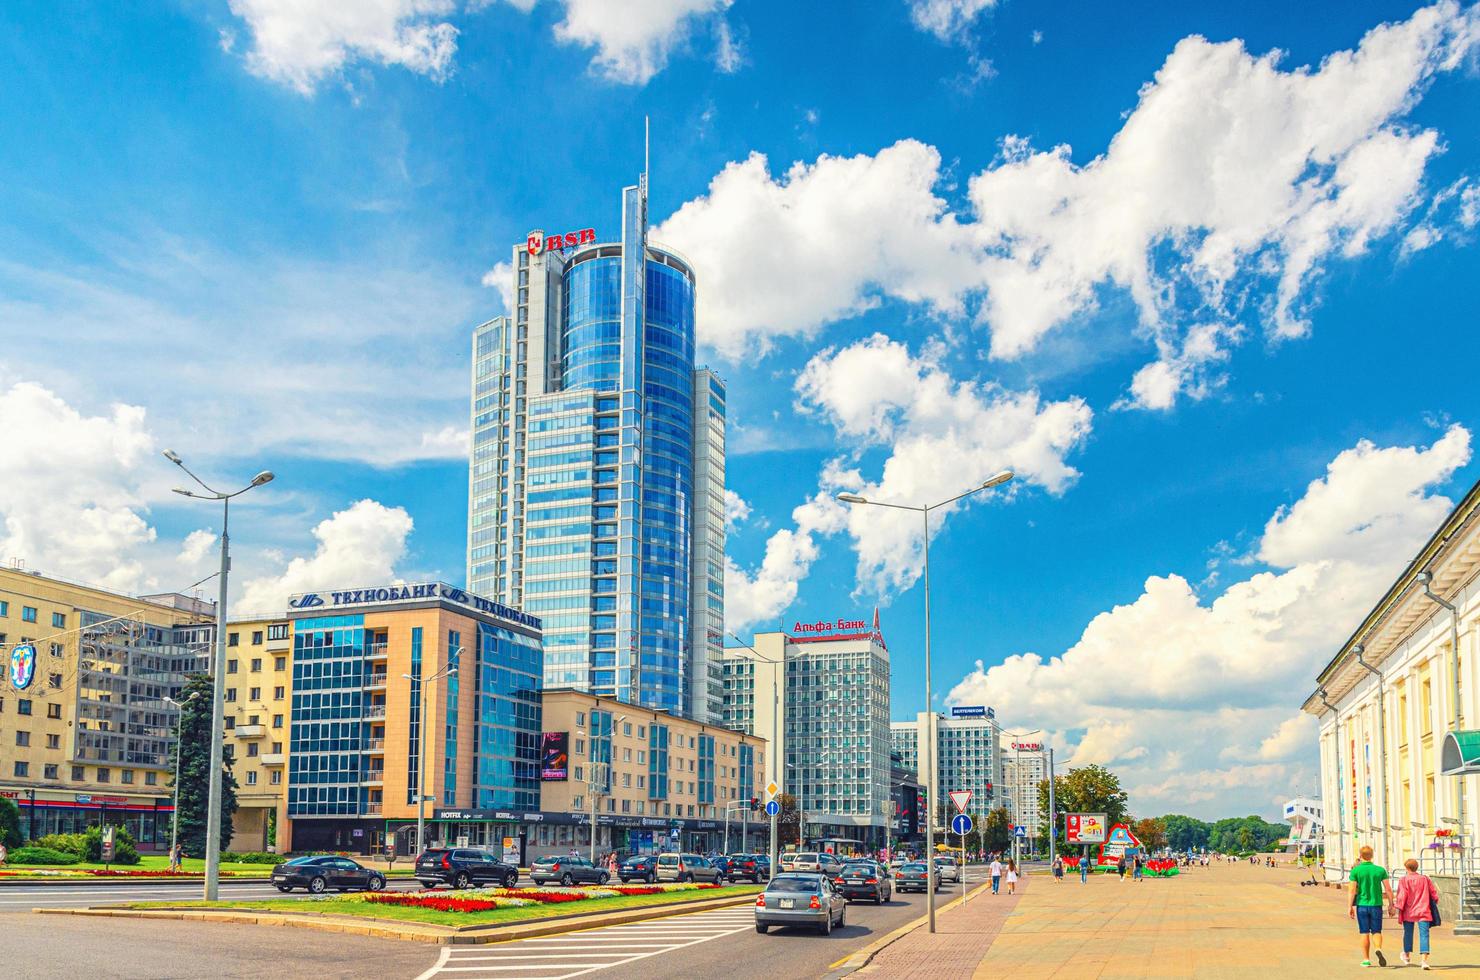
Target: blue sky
<point>258,233</point>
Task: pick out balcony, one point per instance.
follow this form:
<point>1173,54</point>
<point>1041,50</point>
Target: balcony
<point>375,680</point>
<point>272,759</point>
<point>376,745</point>
<point>376,651</point>
<point>248,731</point>
<point>375,711</point>
<point>374,808</point>
<point>374,777</point>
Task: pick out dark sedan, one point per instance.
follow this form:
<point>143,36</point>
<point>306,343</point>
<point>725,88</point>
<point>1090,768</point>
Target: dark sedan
<point>567,871</point>
<point>864,880</point>
<point>319,873</point>
<point>643,867</point>
<point>914,877</point>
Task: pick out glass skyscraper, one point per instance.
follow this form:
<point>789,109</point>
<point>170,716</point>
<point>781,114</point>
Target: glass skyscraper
<point>596,484</point>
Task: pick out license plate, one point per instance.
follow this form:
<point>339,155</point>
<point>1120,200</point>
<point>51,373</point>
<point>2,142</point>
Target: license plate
<point>279,877</point>
<point>788,903</point>
<point>855,881</point>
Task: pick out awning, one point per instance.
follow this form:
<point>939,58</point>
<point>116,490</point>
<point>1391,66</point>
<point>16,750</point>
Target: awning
<point>1461,754</point>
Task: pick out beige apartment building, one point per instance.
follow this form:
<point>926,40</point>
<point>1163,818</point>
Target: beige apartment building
<point>657,782</point>
<point>87,729</point>
<point>259,701</point>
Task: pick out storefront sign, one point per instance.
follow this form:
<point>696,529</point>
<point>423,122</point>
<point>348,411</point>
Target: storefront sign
<point>22,665</point>
<point>538,241</point>
<point>555,756</point>
<point>1028,746</point>
<point>418,592</point>
<point>972,711</point>
<point>830,626</point>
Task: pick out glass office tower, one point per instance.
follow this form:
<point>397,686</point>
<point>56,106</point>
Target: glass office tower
<point>596,484</point>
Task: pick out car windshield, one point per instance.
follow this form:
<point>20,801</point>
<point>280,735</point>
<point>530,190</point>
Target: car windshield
<point>806,857</point>
<point>914,867</point>
<point>794,883</point>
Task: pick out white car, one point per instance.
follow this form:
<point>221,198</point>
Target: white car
<point>946,869</point>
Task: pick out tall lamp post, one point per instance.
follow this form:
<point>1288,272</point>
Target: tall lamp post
<point>931,775</point>
<point>218,674</point>
<point>423,736</point>
<point>776,759</point>
<point>175,813</point>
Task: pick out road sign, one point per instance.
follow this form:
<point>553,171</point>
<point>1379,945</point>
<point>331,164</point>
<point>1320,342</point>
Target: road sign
<point>960,797</point>
<point>772,789</point>
<point>961,824</point>
<point>772,808</point>
<point>1018,830</point>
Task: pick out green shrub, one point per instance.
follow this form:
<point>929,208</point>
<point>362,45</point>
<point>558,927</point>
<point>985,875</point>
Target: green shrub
<point>66,843</point>
<point>124,851</point>
<point>251,857</point>
<point>41,855</point>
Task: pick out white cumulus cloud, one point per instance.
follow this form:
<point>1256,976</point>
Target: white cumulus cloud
<point>947,19</point>
<point>634,39</point>
<point>1169,686</point>
<point>300,42</point>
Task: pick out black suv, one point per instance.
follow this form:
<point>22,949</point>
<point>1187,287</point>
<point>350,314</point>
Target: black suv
<point>643,867</point>
<point>463,867</point>
<point>750,866</point>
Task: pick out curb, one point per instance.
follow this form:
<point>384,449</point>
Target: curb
<point>861,958</point>
<point>416,931</point>
<point>108,881</point>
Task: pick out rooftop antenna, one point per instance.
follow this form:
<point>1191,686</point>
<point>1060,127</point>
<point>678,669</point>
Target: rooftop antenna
<point>646,137</point>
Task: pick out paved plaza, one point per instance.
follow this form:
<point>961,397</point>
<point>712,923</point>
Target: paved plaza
<point>1224,921</point>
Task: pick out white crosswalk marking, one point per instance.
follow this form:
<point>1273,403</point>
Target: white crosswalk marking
<point>576,954</point>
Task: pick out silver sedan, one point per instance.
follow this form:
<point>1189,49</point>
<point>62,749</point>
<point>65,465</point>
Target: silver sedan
<point>800,899</point>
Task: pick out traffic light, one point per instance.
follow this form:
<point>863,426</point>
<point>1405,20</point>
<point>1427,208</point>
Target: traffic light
<point>755,803</point>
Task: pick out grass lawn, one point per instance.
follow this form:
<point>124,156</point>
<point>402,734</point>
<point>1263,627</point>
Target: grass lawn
<point>161,863</point>
<point>400,913</point>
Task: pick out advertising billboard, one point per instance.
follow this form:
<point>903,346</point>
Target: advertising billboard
<point>970,711</point>
<point>1085,828</point>
<point>555,756</point>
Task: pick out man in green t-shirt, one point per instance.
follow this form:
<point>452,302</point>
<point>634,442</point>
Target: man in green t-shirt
<point>1369,888</point>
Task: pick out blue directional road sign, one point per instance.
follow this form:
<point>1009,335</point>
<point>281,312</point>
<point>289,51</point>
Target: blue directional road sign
<point>961,824</point>
<point>773,808</point>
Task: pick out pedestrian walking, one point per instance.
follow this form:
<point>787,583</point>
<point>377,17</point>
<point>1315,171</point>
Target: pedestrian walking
<point>1084,869</point>
<point>1120,867</point>
<point>1417,904</point>
<point>175,857</point>
<point>1011,876</point>
<point>1369,886</point>
<point>995,869</point>
<point>1058,870</point>
<point>4,856</point>
<point>1139,864</point>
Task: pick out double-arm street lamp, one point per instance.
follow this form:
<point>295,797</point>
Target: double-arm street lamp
<point>778,775</point>
<point>218,674</point>
<point>930,776</point>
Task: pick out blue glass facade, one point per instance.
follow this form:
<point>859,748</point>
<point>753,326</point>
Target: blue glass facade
<point>657,762</point>
<point>509,666</point>
<point>328,727</point>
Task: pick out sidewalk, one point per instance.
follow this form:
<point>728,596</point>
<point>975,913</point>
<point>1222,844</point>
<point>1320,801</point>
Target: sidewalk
<point>962,936</point>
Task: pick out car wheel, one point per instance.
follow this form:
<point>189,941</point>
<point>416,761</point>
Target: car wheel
<point>761,928</point>
<point>842,916</point>
<point>650,878</point>
<point>462,880</point>
<point>685,879</point>
<point>603,878</point>
<point>316,885</point>
<point>284,888</point>
<point>567,880</point>
<point>428,885</point>
<point>377,883</point>
<point>511,880</point>
<point>826,927</point>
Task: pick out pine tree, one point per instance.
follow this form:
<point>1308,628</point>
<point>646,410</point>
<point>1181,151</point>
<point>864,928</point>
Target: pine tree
<point>194,747</point>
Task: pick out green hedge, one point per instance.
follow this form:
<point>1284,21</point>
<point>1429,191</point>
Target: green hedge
<point>74,844</point>
<point>41,855</point>
<point>251,857</point>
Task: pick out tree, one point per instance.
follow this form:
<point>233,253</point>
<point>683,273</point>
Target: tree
<point>1186,833</point>
<point>1251,833</point>
<point>997,830</point>
<point>194,748</point>
<point>1088,789</point>
<point>1151,832</point>
<point>786,820</point>
<point>10,822</point>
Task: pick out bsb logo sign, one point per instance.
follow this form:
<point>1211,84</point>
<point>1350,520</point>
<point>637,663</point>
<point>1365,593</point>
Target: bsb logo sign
<point>538,241</point>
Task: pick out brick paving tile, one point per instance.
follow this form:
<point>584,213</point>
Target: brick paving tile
<point>961,938</point>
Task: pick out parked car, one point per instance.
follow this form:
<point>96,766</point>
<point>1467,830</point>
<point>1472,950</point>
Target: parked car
<point>322,872</point>
<point>800,899</point>
<point>864,879</point>
<point>946,868</point>
<point>641,867</point>
<point>686,868</point>
<point>786,860</point>
<point>822,861</point>
<point>752,866</point>
<point>567,871</point>
<point>463,867</point>
<point>914,877</point>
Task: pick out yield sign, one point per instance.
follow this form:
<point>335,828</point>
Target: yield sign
<point>960,797</point>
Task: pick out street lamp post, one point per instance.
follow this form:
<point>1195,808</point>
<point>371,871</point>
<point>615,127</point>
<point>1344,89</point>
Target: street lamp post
<point>930,776</point>
<point>776,685</point>
<point>423,732</point>
<point>175,813</point>
<point>218,675</point>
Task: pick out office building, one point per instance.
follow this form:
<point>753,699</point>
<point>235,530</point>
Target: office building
<point>966,757</point>
<point>657,782</point>
<point>87,731</point>
<point>830,719</point>
<point>1399,714</point>
<point>1024,768</point>
<point>372,678</point>
<point>596,480</point>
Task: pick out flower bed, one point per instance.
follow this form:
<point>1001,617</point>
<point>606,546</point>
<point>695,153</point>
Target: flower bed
<point>108,873</point>
<point>441,903</point>
<point>486,899</point>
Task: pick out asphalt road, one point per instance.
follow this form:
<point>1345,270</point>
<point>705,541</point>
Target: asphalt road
<point>23,898</point>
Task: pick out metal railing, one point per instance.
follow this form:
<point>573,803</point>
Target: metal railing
<point>375,711</point>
